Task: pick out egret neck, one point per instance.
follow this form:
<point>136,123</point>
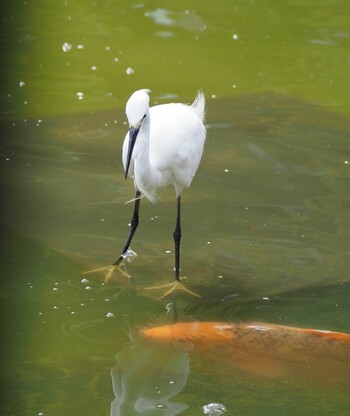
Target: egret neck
<point>146,177</point>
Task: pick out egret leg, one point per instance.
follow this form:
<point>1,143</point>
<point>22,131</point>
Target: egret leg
<point>178,285</point>
<point>116,265</point>
<point>134,224</point>
<point>177,239</point>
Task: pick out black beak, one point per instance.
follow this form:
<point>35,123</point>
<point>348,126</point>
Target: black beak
<point>132,140</point>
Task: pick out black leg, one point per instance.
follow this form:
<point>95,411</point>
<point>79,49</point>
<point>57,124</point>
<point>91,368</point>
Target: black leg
<point>177,238</point>
<point>178,285</point>
<point>134,224</point>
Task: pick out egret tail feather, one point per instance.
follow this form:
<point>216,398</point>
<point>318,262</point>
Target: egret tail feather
<point>198,105</point>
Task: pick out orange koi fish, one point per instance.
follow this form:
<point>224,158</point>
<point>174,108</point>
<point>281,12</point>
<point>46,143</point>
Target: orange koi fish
<point>263,349</point>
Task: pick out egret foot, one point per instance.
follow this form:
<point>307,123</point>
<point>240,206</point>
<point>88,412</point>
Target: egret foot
<point>110,270</point>
<point>177,285</point>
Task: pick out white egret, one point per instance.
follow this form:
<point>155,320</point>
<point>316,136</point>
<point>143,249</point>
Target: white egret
<point>163,146</point>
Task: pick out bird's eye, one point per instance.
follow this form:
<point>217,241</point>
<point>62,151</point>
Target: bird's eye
<point>144,116</point>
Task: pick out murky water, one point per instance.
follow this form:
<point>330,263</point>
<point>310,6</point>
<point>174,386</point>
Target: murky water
<point>265,222</point>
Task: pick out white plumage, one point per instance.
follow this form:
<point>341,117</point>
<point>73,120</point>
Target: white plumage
<point>169,143</point>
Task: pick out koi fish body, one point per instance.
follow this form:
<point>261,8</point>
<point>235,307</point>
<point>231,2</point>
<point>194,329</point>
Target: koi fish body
<point>262,349</point>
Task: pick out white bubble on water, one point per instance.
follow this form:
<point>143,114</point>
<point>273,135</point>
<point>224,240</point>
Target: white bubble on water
<point>214,409</point>
<point>80,95</point>
<point>129,255</point>
<point>66,47</point>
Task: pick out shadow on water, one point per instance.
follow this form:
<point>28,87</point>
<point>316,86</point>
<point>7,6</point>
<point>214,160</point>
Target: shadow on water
<point>265,239</point>
<point>324,306</point>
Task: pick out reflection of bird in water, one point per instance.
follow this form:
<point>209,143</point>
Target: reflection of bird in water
<point>264,350</point>
<point>163,147</point>
<point>145,379</point>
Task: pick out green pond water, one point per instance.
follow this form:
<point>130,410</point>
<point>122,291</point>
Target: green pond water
<point>265,223</point>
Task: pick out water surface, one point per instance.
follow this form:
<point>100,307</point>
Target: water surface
<point>265,222</point>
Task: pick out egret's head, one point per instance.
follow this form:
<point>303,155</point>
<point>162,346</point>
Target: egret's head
<point>137,108</point>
